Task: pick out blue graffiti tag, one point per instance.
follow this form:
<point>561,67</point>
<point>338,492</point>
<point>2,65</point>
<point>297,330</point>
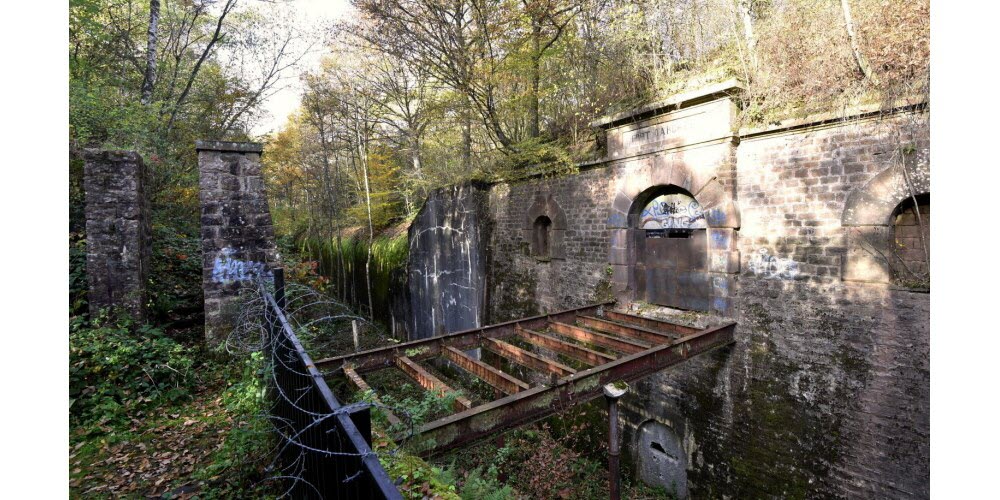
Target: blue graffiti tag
<point>228,270</point>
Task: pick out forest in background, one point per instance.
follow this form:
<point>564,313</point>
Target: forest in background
<point>412,95</point>
<point>417,94</point>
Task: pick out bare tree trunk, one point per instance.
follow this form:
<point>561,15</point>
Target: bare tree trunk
<point>149,78</point>
<point>536,56</point>
<point>362,152</point>
<point>340,232</point>
<point>466,140</point>
<point>746,14</point>
<point>859,58</point>
<point>216,36</point>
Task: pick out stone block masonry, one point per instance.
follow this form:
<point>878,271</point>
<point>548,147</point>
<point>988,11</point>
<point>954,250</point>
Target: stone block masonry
<point>119,244</point>
<point>826,392</point>
<point>237,235</point>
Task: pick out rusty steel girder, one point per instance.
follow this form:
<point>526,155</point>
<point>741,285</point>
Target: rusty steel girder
<point>539,402</point>
<point>654,324</point>
<point>527,358</point>
<point>496,378</point>
<point>430,382</point>
<point>623,345</point>
<point>575,351</point>
<point>422,349</point>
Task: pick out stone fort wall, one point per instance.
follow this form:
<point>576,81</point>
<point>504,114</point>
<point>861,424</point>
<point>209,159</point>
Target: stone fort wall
<point>826,392</point>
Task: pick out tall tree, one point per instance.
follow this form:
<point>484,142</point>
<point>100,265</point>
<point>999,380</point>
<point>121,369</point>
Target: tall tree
<point>149,76</point>
<point>459,42</point>
<point>548,20</point>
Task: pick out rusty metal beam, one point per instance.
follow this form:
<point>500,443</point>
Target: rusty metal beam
<point>627,330</point>
<point>579,333</point>
<point>498,379</point>
<point>654,324</point>
<point>418,350</point>
<point>527,358</point>
<point>542,401</point>
<point>574,351</point>
<point>430,382</point>
<point>360,384</point>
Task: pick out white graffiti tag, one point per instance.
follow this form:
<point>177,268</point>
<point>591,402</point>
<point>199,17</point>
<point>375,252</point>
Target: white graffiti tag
<point>227,270</point>
<point>771,267</point>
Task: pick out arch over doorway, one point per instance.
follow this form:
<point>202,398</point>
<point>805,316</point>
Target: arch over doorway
<point>870,219</point>
<point>670,244</point>
<point>701,276</point>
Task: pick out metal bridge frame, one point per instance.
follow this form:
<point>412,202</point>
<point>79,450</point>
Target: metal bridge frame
<point>643,346</point>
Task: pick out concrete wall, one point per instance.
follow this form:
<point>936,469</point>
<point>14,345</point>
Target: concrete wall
<point>119,235</point>
<point>826,392</point>
<point>448,254</point>
<point>237,234</point>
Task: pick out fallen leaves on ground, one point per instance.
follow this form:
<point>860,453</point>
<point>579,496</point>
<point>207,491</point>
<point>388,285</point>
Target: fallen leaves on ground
<point>156,459</point>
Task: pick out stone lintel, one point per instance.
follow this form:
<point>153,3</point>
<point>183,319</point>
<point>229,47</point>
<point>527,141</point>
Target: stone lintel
<point>238,147</point>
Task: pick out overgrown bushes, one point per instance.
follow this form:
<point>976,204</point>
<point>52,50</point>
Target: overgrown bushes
<point>114,369</point>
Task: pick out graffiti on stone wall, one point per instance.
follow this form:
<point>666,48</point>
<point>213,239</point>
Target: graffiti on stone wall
<point>673,211</point>
<point>771,267</point>
<point>228,270</point>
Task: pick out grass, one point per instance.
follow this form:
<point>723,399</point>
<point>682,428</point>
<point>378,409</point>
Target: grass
<point>388,263</point>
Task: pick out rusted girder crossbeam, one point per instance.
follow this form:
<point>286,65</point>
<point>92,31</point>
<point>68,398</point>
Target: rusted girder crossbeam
<point>539,402</point>
<point>627,330</point>
<point>498,379</point>
<point>430,382</point>
<point>527,358</point>
<point>417,350</point>
<point>574,351</point>
<point>585,335</point>
<point>654,324</point>
<point>363,386</point>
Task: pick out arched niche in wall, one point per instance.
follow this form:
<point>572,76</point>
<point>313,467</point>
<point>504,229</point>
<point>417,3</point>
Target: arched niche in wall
<point>661,457</point>
<point>545,228</point>
<point>693,212</point>
<point>888,227</point>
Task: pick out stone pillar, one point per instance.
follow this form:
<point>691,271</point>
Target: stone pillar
<point>119,244</point>
<point>237,235</point>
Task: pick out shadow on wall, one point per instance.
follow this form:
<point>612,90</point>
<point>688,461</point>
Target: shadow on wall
<point>448,255</point>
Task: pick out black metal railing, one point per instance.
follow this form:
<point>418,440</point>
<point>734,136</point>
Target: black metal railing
<point>324,447</point>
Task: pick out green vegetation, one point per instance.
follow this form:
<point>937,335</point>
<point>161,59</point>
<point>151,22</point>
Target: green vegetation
<point>148,413</point>
<point>386,273</point>
<point>382,122</point>
<point>115,370</point>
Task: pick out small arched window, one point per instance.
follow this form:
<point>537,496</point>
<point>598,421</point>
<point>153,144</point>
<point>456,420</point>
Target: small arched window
<point>540,237</point>
<point>911,231</point>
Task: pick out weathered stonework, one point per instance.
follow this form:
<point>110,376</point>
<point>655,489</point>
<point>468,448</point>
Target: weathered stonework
<point>237,234</point>
<point>826,391</point>
<point>119,243</point>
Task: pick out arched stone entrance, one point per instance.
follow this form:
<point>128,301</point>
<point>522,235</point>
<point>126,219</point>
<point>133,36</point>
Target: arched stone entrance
<point>687,256</point>
<point>669,233</point>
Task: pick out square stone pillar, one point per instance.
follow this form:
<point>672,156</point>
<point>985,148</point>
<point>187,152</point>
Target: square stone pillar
<point>119,241</point>
<point>237,235</point>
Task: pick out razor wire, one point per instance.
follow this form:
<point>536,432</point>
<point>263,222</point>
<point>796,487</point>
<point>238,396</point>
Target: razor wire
<point>305,424</point>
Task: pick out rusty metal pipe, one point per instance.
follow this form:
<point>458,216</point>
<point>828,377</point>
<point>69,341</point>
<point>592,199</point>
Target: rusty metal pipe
<point>612,393</point>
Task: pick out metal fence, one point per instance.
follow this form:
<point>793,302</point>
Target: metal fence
<point>324,447</point>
